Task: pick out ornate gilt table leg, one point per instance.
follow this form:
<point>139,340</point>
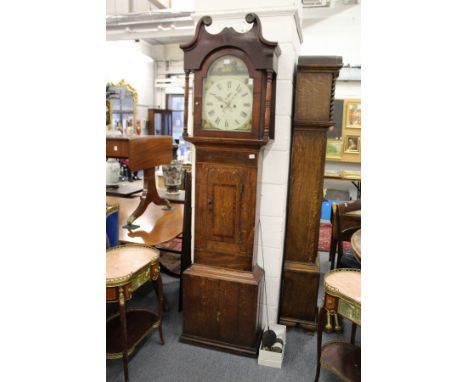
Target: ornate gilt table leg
<point>336,318</point>
<point>321,318</point>
<point>158,288</point>
<point>123,332</point>
<point>329,326</point>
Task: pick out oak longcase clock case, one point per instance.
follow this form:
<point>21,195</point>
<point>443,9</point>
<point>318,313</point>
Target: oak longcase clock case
<point>234,93</point>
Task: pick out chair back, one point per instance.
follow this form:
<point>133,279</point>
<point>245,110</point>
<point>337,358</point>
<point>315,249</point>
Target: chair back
<point>344,224</point>
<point>342,217</point>
<point>112,225</point>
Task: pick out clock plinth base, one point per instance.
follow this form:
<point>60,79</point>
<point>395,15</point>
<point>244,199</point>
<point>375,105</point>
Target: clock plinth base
<point>222,346</point>
<point>222,309</point>
<point>292,322</point>
<point>300,287</point>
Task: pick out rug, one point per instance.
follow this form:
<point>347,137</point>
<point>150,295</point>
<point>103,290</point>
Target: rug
<point>325,238</point>
<point>169,260</point>
<point>324,245</point>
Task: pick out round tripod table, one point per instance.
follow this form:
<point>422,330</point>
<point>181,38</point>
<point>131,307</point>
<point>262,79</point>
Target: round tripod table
<point>127,268</point>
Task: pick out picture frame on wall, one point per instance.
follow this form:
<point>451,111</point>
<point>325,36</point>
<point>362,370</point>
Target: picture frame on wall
<point>352,144</point>
<point>352,119</point>
<point>334,148</point>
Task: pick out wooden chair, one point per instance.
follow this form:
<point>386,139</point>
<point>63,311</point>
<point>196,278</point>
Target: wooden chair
<point>344,222</point>
<point>185,252</point>
<point>112,225</point>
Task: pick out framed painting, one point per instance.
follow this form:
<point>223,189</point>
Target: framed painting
<point>352,111</point>
<point>352,144</point>
<point>334,147</point>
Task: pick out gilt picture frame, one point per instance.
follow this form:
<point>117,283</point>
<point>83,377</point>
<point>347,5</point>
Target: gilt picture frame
<point>352,113</point>
<point>352,144</point>
<point>334,148</point>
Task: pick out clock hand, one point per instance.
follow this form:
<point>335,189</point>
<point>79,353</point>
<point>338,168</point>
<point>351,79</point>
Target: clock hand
<point>220,99</point>
<point>228,104</point>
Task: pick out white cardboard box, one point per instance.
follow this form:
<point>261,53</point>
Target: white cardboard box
<point>269,358</point>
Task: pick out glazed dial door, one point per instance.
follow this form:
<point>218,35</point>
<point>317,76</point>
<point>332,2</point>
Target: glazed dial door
<point>227,96</point>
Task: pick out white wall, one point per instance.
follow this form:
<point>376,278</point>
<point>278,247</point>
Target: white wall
<point>169,61</point>
<point>131,61</point>
<point>212,7</point>
<point>338,35</point>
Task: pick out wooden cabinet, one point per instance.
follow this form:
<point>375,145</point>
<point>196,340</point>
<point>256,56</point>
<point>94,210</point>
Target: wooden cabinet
<point>313,115</point>
<point>142,151</point>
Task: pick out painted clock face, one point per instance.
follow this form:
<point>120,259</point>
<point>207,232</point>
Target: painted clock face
<point>227,96</point>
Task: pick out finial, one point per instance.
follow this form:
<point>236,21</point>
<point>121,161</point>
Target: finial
<point>207,20</point>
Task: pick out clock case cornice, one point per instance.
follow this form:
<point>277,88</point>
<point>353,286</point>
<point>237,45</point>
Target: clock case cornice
<point>263,53</point>
<point>261,58</point>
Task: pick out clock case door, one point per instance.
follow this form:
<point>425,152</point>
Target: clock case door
<point>258,95</point>
<point>225,207</point>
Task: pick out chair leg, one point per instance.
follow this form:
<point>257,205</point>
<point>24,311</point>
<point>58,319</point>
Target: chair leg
<point>332,254</point>
<point>158,288</point>
<point>181,292</point>
<point>123,332</point>
<point>353,333</point>
<point>340,253</point>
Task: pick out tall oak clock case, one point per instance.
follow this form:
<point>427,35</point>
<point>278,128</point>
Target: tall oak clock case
<point>234,93</point>
<point>314,92</point>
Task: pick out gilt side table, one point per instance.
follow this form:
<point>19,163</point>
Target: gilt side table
<point>342,296</point>
<point>127,268</point>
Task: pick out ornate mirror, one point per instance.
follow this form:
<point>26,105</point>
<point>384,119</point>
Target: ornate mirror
<point>121,101</point>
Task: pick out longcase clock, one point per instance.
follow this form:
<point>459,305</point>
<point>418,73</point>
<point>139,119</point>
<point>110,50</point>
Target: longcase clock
<point>234,93</point>
<point>313,115</point>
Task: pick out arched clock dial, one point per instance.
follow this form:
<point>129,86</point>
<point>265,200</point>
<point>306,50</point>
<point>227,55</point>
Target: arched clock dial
<point>227,96</point>
<point>228,105</point>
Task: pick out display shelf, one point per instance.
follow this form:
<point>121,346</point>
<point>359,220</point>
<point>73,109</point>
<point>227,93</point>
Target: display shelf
<point>139,325</point>
<point>342,359</point>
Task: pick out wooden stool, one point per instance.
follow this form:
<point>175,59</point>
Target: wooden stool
<point>127,268</point>
<point>343,297</point>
